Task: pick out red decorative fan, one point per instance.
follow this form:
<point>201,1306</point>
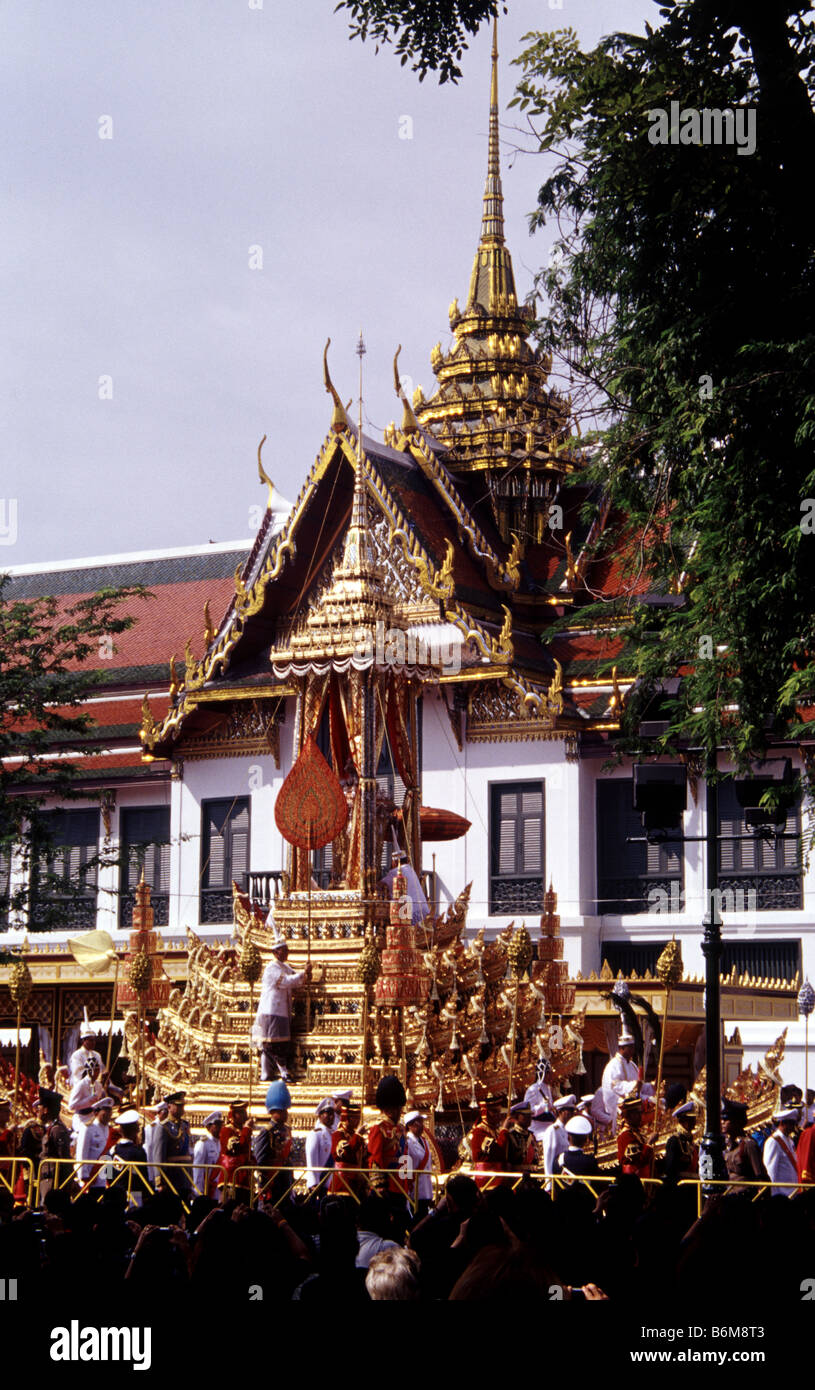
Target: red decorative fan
<point>311,808</point>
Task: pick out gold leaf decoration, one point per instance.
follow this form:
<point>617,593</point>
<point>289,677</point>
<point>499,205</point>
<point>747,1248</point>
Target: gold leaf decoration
<point>140,972</point>
<point>250,965</point>
<point>519,952</point>
<point>368,964</point>
<point>20,983</point>
<point>669,966</point>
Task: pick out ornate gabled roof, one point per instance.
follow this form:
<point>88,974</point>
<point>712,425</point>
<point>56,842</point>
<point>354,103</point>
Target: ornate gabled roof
<point>492,406</point>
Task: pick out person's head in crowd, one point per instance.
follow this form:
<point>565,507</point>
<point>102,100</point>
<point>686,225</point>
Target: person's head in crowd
<point>503,1275</point>
<point>374,1215</point>
<point>201,1207</point>
<point>325,1113</point>
<point>734,1118</point>
<point>393,1276</point>
<point>786,1118</point>
<point>521,1113</point>
<point>175,1104</point>
<point>579,1130</point>
<point>685,1115</point>
<point>462,1195</point>
<point>414,1123</point>
<point>128,1123</point>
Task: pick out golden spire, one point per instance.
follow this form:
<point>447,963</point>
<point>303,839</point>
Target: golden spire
<point>358,556</point>
<point>492,283</point>
<point>492,222</point>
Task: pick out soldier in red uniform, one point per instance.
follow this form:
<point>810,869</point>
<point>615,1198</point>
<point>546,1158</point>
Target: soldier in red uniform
<point>387,1148</point>
<point>349,1151</point>
<point>805,1154</point>
<point>488,1142</point>
<point>633,1149</point>
<point>236,1150</point>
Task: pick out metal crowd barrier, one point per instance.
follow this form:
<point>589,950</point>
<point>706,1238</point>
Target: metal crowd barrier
<point>11,1170</point>
<point>293,1180</point>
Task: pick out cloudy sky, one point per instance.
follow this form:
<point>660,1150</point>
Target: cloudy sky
<point>149,145</point>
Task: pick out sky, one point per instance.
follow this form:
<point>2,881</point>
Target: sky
<point>196,194</point>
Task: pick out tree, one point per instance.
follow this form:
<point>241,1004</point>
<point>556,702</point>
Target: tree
<point>46,678</point>
<point>429,37</point>
<point>682,304</point>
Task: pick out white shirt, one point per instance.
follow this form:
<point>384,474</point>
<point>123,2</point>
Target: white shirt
<point>84,1094</point>
<point>598,1113</point>
<point>619,1080</point>
<point>419,1154</point>
<point>206,1152</point>
<point>419,904</point>
<point>370,1245</point>
<point>278,983</point>
<point>779,1160</point>
<point>80,1059</point>
<point>90,1144</point>
<point>555,1141</point>
<point>150,1137</point>
<point>539,1096</point>
<point>318,1153</point>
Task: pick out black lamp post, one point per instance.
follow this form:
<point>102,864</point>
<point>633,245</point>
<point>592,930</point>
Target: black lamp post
<point>711,1149</point>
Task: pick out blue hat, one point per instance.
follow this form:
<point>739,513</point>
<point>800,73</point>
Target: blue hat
<point>278,1096</point>
<point>519,1107</point>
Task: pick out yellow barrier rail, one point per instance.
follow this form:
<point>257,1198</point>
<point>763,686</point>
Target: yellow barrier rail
<point>10,1172</point>
<point>273,1185</point>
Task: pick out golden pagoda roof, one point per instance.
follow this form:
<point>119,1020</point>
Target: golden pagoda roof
<point>492,406</point>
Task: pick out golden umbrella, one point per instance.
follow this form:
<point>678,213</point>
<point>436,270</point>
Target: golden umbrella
<point>95,952</point>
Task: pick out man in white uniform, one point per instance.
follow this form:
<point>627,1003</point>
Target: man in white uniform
<point>91,1144</point>
<point>85,1092</point>
<point>206,1153</point>
<point>272,1027</point>
<point>151,1131</point>
<point>539,1096</point>
<point>421,1163</point>
<point>556,1141</point>
<point>419,904</point>
<point>779,1152</point>
<point>318,1146</point>
<point>621,1076</point>
<point>84,1053</point>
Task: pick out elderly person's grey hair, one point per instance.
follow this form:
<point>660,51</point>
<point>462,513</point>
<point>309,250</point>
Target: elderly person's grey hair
<point>394,1275</point>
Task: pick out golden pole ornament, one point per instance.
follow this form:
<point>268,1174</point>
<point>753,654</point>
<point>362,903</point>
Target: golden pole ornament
<point>20,985</point>
<point>670,971</point>
<point>520,954</point>
<point>250,968</point>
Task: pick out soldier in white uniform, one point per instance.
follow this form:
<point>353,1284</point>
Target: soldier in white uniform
<point>318,1146</point>
<point>539,1096</point>
<point>271,1031</point>
<point>91,1144</point>
<point>621,1076</point>
<point>84,1053</point>
<point>85,1092</point>
<point>421,1162</point>
<point>151,1132</point>
<point>206,1153</point>
<point>556,1141</point>
<point>779,1150</point>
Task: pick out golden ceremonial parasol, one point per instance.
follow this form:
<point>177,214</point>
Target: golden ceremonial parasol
<point>95,952</point>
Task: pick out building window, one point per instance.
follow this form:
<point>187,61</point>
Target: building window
<point>632,957</point>
<point>516,848</point>
<point>764,865</point>
<point>145,848</point>
<point>225,856</point>
<point>63,884</point>
<point>764,960</point>
<point>632,878</point>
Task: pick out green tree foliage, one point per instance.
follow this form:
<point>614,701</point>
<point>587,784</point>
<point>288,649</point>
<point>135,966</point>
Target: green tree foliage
<point>684,296</point>
<point>681,307</point>
<point>49,655</point>
<point>431,37</point>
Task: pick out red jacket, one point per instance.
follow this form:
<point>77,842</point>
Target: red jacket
<point>805,1154</point>
<point>387,1144</point>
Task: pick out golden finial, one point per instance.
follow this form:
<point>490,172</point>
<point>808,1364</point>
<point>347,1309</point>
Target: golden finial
<point>209,630</point>
<point>571,567</point>
<point>263,475</point>
<point>617,697</point>
<point>148,723</point>
<point>409,424</point>
<point>174,683</point>
<point>339,420</point>
<point>513,560</point>
<point>189,664</point>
